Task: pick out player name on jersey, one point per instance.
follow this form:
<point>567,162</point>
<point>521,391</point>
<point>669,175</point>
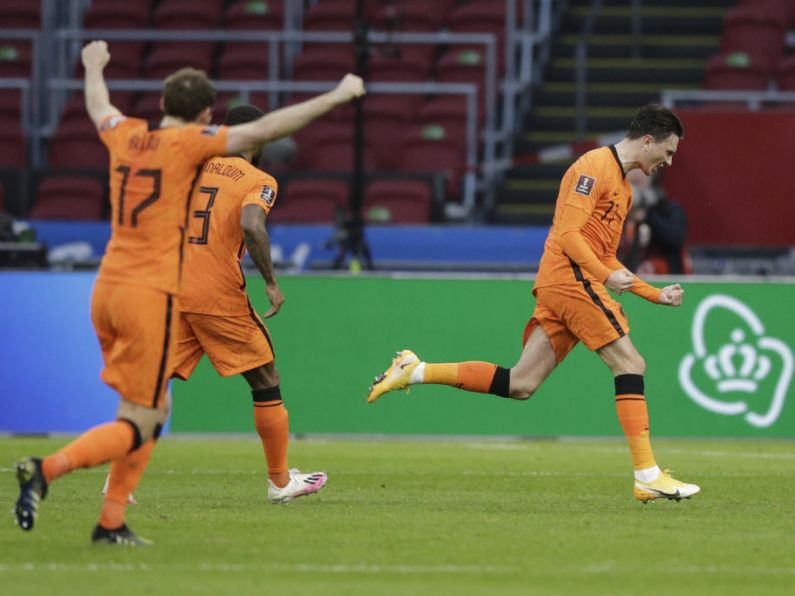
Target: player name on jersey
<point>212,167</point>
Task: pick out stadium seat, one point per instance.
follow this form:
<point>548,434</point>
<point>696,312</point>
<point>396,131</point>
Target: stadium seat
<point>76,147</point>
<point>10,104</point>
<point>386,118</point>
<point>736,71</point>
<point>20,14</point>
<point>75,109</point>
<point>398,202</point>
<point>116,14</point>
<point>12,146</point>
<point>188,14</point>
<point>245,61</point>
<point>385,68</point>
<point>260,15</point>
<point>310,201</point>
<point>465,65</point>
<point>328,62</point>
<point>431,148</point>
<point>756,32</point>
<point>335,15</point>
<point>335,152</point>
<point>785,74</point>
<point>413,15</point>
<point>307,138</point>
<point>482,16</point>
<point>69,197</point>
<point>16,58</point>
<point>781,9</point>
<point>147,107</point>
<point>447,110</point>
<point>168,57</point>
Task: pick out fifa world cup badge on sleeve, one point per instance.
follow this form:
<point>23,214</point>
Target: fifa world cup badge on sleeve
<point>585,185</point>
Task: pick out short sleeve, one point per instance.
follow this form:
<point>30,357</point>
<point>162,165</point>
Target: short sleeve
<point>204,142</point>
<point>263,194</point>
<point>110,127</point>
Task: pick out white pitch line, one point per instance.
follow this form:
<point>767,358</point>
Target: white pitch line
<point>361,568</point>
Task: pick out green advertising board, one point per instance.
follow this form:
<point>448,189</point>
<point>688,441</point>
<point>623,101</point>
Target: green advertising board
<point>719,366</point>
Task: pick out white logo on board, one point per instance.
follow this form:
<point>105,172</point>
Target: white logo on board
<point>742,358</point>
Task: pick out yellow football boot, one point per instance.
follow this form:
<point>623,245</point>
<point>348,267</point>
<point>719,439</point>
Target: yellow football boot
<point>396,377</point>
<point>664,486</point>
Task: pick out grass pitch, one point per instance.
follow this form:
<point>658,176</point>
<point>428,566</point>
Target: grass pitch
<point>410,517</point>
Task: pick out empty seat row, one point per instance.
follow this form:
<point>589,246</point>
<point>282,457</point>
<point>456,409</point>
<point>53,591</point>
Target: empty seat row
<point>739,71</point>
<point>305,201</point>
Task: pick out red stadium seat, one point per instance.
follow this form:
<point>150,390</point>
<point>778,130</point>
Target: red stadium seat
<point>465,65</point>
<point>431,148</point>
<point>69,197</point>
<point>334,15</point>
<point>386,119</point>
<point>75,109</point>
<point>328,62</point>
<point>168,57</point>
<point>147,107</point>
<point>335,152</point>
<point>245,61</point>
<point>20,14</point>
<point>77,147</point>
<point>447,110</point>
<point>398,202</point>
<point>307,138</point>
<point>310,201</point>
<point>413,15</point>
<point>403,69</point>
<point>12,146</point>
<point>260,15</point>
<point>781,9</point>
<point>188,14</point>
<point>10,104</point>
<point>116,14</point>
<point>482,16</point>
<point>785,74</point>
<point>16,58</point>
<point>756,32</point>
<point>736,71</point>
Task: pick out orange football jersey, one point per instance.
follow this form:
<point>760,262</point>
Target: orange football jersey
<point>213,282</point>
<point>594,198</point>
<point>152,173</point>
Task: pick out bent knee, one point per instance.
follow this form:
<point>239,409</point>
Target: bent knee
<point>522,389</point>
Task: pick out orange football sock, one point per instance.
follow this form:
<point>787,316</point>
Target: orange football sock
<point>471,376</point>
<point>634,418</point>
<point>273,427</point>
<point>125,475</point>
<point>96,446</point>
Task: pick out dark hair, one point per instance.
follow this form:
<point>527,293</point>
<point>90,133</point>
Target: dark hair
<point>186,93</point>
<point>243,114</point>
<point>656,120</point>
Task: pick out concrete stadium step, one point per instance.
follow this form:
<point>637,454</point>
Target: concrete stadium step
<point>534,140</point>
<point>565,118</point>
<point>651,46</point>
<point>618,70</point>
<point>628,95</point>
<point>657,19</point>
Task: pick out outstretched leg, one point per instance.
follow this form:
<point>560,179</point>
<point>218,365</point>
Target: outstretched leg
<point>535,364</point>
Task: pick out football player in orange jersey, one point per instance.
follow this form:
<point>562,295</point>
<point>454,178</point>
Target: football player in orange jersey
<point>577,268</point>
<point>231,204</point>
<point>133,308</point>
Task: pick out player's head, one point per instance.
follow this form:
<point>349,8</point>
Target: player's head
<point>189,95</point>
<point>658,131</point>
<point>241,115</point>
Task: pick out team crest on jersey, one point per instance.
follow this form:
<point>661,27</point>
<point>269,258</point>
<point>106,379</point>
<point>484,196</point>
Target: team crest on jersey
<point>111,122</point>
<point>268,195</point>
<point>585,185</point>
<point>210,131</point>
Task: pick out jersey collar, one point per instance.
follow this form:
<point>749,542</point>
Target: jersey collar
<point>618,161</point>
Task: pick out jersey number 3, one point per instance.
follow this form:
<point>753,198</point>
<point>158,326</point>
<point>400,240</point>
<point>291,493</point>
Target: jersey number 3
<point>204,214</point>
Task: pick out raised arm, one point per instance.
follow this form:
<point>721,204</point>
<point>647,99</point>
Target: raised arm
<point>95,57</point>
<point>284,121</point>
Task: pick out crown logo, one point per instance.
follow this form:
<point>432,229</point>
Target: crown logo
<point>738,366</point>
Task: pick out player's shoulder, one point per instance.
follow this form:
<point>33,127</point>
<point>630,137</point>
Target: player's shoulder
<point>200,130</point>
<point>598,158</point>
<point>119,121</point>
